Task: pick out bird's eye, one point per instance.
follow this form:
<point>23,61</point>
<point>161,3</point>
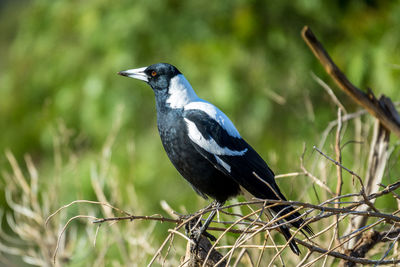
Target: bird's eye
<point>153,73</point>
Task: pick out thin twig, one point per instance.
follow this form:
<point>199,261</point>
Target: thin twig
<point>338,153</point>
<point>329,91</point>
<point>291,174</point>
<point>84,201</point>
<point>158,252</point>
<point>62,232</point>
<point>343,256</point>
<point>354,174</point>
<point>315,179</point>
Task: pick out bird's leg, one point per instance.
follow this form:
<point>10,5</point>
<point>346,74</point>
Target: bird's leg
<point>262,211</point>
<point>216,205</point>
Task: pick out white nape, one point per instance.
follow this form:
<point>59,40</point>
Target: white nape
<point>180,92</point>
<point>209,145</point>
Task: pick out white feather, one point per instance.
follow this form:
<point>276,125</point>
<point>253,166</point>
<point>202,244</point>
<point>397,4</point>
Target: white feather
<point>180,92</point>
<point>215,114</point>
<point>209,145</point>
<point>223,163</point>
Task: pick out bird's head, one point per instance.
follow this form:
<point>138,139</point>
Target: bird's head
<point>158,76</point>
<point>169,85</point>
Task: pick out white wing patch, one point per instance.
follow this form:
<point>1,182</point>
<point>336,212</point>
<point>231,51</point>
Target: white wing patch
<point>223,163</point>
<point>209,145</point>
<point>215,114</point>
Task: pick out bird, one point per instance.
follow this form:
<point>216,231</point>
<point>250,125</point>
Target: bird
<point>207,150</point>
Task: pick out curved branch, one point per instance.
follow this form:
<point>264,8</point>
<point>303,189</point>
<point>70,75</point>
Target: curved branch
<point>382,109</point>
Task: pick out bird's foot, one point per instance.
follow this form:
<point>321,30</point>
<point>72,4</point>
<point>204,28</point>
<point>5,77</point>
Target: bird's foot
<point>196,233</point>
<point>200,239</point>
<point>194,230</point>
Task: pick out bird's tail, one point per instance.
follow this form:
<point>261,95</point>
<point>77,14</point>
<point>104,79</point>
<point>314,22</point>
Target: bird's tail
<point>294,218</point>
<point>286,233</point>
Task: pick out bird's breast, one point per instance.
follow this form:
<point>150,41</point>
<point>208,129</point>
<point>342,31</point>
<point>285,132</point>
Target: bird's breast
<point>173,133</point>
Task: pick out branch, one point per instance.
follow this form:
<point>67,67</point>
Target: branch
<point>257,226</point>
<point>339,183</point>
<point>377,161</point>
<point>344,256</point>
<point>383,109</point>
<point>368,241</point>
<point>203,253</point>
<point>366,199</point>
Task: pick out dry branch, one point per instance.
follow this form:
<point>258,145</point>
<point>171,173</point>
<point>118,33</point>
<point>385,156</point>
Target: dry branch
<point>343,256</point>
<point>368,241</point>
<point>203,253</point>
<point>207,255</point>
<point>388,120</point>
<point>383,109</point>
<point>339,183</point>
<point>376,165</point>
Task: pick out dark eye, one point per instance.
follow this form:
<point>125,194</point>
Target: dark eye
<point>153,73</point>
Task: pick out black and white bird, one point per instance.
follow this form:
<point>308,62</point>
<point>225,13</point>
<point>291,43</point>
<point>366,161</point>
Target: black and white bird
<point>207,150</point>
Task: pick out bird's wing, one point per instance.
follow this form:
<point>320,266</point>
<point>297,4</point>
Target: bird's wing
<point>215,137</point>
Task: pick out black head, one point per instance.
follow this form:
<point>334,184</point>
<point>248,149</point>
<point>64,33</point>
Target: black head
<point>157,75</point>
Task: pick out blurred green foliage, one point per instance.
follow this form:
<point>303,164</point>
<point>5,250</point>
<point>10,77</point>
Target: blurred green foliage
<point>59,61</point>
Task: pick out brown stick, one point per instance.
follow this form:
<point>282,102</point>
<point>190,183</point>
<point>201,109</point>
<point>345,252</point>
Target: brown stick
<point>369,240</point>
<point>343,256</point>
<point>201,253</point>
<point>376,165</point>
<point>338,170</point>
<point>387,115</point>
<point>339,156</point>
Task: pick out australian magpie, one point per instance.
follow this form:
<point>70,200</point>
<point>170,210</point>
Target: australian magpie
<point>207,150</point>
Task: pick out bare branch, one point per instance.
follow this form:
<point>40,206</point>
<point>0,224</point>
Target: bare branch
<point>383,110</point>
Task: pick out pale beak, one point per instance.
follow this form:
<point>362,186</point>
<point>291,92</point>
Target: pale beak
<point>135,73</point>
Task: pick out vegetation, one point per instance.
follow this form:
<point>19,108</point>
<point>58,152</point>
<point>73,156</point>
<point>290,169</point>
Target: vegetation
<point>72,129</point>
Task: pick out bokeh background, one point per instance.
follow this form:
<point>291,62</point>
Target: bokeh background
<point>64,108</point>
